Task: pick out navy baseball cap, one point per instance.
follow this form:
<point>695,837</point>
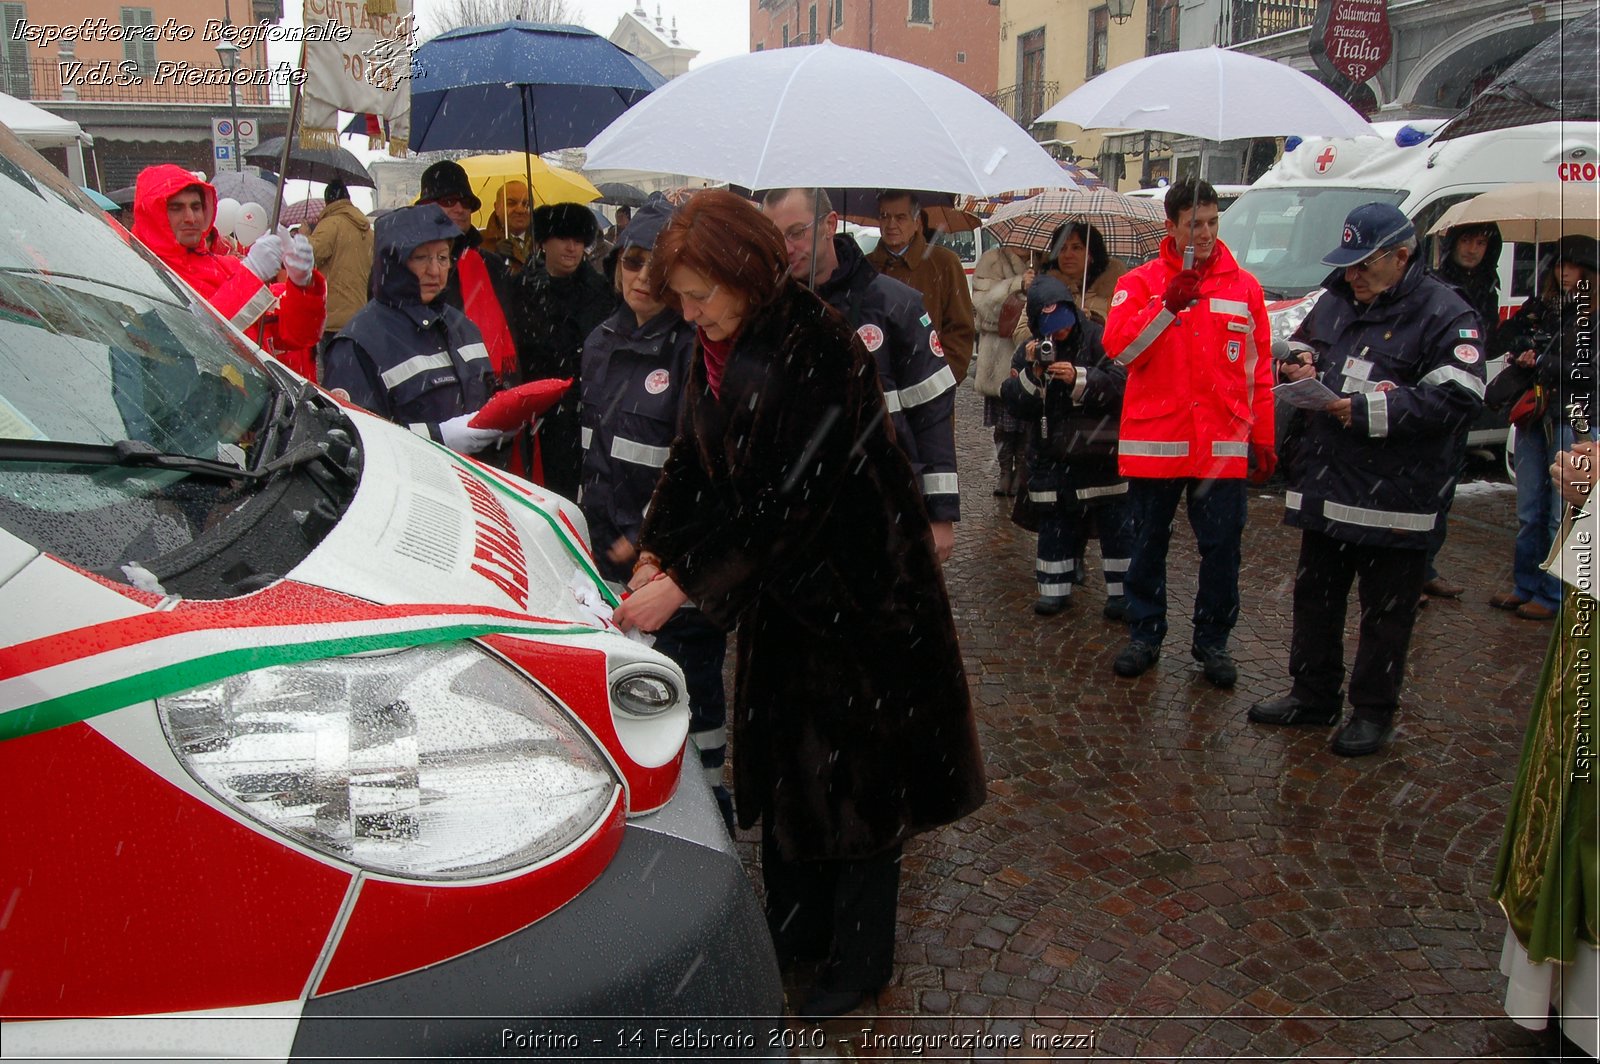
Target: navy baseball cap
<point>1055,317</point>
<point>1369,229</point>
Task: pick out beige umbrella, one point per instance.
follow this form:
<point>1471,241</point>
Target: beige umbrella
<point>1531,212</point>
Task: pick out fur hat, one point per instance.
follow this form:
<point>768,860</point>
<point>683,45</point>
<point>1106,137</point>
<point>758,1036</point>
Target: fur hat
<point>572,221</point>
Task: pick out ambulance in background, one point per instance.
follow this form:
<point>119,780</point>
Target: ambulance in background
<point>1280,229</point>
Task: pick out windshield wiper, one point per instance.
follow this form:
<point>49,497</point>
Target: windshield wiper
<point>127,453</point>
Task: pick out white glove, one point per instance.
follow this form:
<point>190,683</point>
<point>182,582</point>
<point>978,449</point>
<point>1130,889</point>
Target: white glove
<point>300,260</point>
<point>265,257</point>
<point>462,438</point>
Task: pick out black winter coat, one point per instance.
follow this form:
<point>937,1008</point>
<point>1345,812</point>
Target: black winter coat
<point>1564,340</point>
<point>414,363</point>
<point>785,508</point>
<point>918,384</point>
<point>552,317</point>
<point>1412,363</point>
<point>634,379</point>
<point>1072,463</point>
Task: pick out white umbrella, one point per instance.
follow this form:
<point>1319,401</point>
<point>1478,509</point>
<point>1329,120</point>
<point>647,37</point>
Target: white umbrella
<point>1211,93</point>
<point>827,117</point>
<point>1530,212</point>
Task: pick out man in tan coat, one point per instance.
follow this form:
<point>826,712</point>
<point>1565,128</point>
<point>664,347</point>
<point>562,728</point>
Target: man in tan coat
<point>905,255</point>
<point>342,242</point>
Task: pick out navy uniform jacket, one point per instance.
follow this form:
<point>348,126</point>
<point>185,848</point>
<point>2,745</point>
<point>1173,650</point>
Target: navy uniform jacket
<point>1413,364</point>
<point>918,385</point>
<point>414,363</point>
<point>1072,463</point>
<point>633,380</point>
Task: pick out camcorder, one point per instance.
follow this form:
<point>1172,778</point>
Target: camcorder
<point>1045,353</point>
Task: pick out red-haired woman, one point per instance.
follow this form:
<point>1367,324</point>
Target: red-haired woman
<point>786,509</point>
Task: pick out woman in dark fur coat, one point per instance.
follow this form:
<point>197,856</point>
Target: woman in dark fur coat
<point>786,509</point>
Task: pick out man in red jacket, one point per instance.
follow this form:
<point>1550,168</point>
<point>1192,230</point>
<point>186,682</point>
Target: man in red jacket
<point>175,214</point>
<point>1192,332</point>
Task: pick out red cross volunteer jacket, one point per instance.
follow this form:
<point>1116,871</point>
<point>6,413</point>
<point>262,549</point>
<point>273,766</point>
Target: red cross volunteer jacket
<point>1199,382</point>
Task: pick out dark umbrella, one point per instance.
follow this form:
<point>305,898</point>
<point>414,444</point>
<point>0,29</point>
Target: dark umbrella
<point>620,194</point>
<point>311,164</point>
<point>528,86</point>
<point>123,197</point>
<point>245,187</point>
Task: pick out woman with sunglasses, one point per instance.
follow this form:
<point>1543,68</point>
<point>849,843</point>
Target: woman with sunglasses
<point>634,377</point>
<point>787,509</point>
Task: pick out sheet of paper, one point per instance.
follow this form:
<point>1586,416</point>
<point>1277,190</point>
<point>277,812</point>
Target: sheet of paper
<point>1309,394</point>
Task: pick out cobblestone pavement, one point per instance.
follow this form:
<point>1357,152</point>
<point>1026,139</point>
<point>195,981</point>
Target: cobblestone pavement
<point>1153,876</point>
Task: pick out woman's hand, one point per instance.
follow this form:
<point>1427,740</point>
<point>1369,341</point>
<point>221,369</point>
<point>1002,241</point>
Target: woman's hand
<point>1028,277</point>
<point>651,606</point>
<point>643,574</point>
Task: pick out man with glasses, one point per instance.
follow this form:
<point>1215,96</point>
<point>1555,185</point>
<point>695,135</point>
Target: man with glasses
<point>904,254</point>
<point>895,328</point>
<point>1370,471</point>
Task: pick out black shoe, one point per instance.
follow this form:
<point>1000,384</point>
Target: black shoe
<point>824,1004</point>
<point>1361,737</point>
<point>1290,710</point>
<point>1136,658</point>
<point>1217,665</point>
<point>1116,608</point>
<point>1049,605</point>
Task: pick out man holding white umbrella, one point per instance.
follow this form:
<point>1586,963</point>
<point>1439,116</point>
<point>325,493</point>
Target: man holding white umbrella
<point>897,331</point>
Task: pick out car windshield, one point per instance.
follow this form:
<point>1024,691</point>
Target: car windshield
<point>102,354</point>
<point>1280,234</point>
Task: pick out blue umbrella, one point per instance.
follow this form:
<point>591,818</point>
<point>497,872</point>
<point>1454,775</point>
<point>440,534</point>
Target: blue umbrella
<point>527,86</point>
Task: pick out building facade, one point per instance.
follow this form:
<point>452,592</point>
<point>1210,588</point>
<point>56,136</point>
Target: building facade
<point>1444,52</point>
<point>955,38</point>
<point>144,81</point>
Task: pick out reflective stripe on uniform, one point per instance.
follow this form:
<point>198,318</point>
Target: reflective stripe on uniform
<point>411,367</point>
<point>1229,306</point>
<point>1377,414</point>
<point>638,453</point>
<point>421,429</point>
<point>939,484</point>
<point>1027,383</point>
<point>1365,517</point>
<point>1153,448</point>
<point>1229,449</point>
<point>710,739</point>
<point>259,304</point>
<point>586,434</point>
<point>1080,384</point>
<point>1454,375</point>
<point>929,389</point>
<point>1041,496</point>
<point>1055,590</point>
<point>1147,337</point>
<point>1110,489</point>
<point>473,352</point>
<point>1052,568</point>
<point>892,401</point>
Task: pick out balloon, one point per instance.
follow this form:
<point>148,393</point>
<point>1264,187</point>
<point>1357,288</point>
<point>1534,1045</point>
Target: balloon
<point>227,215</point>
<point>251,224</point>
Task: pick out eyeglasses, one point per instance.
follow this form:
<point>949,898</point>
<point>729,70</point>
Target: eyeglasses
<point>635,261</point>
<point>1366,264</point>
<point>796,233</point>
<point>447,202</point>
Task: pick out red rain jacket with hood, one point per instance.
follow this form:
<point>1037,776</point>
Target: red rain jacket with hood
<point>1199,390</point>
<point>212,270</point>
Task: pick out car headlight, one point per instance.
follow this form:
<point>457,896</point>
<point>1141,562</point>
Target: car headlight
<point>436,762</point>
<point>644,692</point>
<point>1284,322</point>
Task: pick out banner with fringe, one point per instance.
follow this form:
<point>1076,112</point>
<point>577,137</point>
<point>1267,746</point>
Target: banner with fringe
<point>367,72</point>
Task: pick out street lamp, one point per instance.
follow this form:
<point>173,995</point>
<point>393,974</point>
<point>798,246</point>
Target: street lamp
<point>1121,10</point>
<point>228,55</point>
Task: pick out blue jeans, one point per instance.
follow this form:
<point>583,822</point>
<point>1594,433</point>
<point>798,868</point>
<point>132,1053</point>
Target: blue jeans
<point>1216,513</point>
<point>1539,509</point>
